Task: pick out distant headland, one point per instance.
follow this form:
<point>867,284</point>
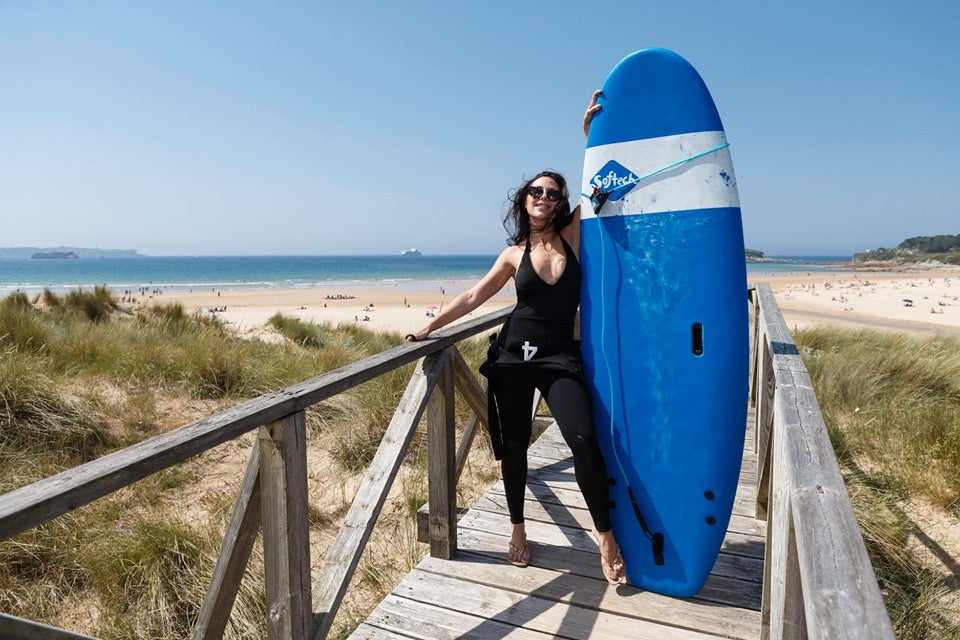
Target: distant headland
<point>54,255</point>
<point>43,253</point>
<point>943,249</point>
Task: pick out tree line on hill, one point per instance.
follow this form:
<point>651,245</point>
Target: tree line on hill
<point>941,248</point>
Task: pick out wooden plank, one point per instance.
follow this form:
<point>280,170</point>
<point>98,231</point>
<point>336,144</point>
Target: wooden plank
<point>472,391</point>
<point>475,394</point>
<point>46,499</point>
<point>567,507</point>
<point>234,554</point>
<point>781,611</point>
<point>286,538</point>
<point>441,465</point>
<point>591,592</point>
<point>557,618</point>
<point>563,492</point>
<point>544,537</point>
<point>13,628</point>
<point>843,599</point>
<point>778,353</point>
<point>344,554</point>
<point>765,399</point>
<point>741,556</point>
<point>369,632</point>
<point>427,621</point>
<point>463,449</point>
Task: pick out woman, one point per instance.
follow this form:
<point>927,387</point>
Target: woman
<point>536,349</point>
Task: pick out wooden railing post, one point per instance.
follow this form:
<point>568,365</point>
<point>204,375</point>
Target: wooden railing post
<point>238,542</point>
<point>476,397</point>
<point>441,464</point>
<point>754,311</point>
<point>764,427</point>
<point>781,611</point>
<point>286,539</point>
<point>344,555</point>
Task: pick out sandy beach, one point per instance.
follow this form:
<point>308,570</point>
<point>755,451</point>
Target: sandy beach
<point>922,300</point>
<point>918,300</point>
<point>401,309</point>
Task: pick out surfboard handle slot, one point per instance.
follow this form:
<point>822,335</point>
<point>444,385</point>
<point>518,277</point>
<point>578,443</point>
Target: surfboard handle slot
<point>697,335</point>
<point>656,539</point>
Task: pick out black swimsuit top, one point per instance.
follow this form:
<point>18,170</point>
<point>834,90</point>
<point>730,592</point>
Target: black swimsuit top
<point>541,324</point>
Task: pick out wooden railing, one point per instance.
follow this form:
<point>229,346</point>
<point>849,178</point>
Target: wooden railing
<point>818,581</point>
<point>273,493</point>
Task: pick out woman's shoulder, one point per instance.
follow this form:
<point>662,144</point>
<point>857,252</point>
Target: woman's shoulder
<point>509,258</point>
<point>513,251</point>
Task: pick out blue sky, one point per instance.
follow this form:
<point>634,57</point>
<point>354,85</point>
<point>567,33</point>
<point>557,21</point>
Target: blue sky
<point>182,128</point>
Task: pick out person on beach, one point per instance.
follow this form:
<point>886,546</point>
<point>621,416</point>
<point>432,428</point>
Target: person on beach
<point>536,350</point>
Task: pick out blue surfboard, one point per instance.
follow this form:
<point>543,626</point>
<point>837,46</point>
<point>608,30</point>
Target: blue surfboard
<point>664,317</point>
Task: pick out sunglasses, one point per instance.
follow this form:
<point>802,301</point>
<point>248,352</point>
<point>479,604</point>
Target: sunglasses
<point>553,195</point>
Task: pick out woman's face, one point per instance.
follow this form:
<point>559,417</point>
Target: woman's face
<point>543,197</point>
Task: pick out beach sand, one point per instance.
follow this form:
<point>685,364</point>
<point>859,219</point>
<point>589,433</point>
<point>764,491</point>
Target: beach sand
<point>401,309</point>
<point>868,299</point>
<point>921,300</point>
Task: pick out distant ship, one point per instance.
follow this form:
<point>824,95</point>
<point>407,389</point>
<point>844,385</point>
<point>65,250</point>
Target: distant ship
<point>411,252</point>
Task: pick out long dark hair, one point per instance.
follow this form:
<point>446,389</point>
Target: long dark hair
<point>516,220</point>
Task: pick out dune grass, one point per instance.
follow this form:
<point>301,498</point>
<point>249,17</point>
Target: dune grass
<point>891,403</point>
<point>81,376</point>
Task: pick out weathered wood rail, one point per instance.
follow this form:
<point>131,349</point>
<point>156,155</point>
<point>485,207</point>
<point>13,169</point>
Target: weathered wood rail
<point>817,581</point>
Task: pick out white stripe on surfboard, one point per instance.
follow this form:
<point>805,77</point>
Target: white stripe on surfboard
<point>707,181</point>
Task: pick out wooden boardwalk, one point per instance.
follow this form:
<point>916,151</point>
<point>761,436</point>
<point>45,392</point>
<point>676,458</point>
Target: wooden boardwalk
<point>562,594</point>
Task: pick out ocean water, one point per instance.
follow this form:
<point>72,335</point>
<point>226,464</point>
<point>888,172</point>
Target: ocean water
<point>183,273</point>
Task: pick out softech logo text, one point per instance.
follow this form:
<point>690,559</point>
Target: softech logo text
<point>615,179</point>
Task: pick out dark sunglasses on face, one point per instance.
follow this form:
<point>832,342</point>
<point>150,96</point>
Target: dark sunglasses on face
<point>553,195</point>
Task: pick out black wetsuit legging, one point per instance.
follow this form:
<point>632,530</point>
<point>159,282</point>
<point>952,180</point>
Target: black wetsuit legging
<point>569,402</point>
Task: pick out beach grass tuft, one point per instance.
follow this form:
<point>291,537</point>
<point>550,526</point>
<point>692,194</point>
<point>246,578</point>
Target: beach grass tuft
<point>305,334</point>
<point>894,402</point>
<point>97,305</point>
